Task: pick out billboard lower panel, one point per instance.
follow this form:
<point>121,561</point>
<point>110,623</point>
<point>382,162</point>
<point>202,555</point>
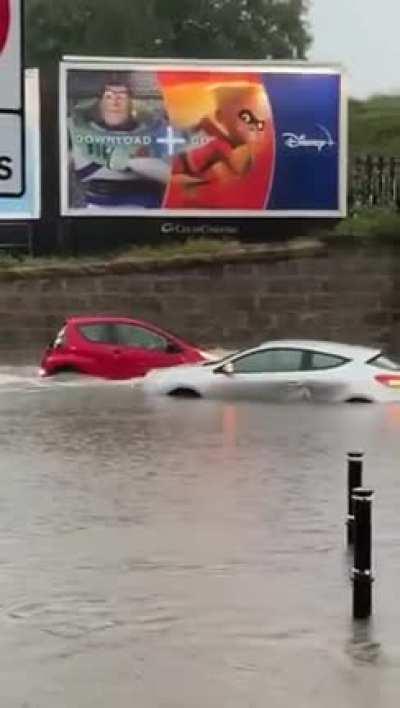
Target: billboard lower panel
<point>188,141</point>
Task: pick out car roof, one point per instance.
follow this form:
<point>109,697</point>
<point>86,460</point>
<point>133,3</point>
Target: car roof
<point>350,351</point>
<point>81,319</point>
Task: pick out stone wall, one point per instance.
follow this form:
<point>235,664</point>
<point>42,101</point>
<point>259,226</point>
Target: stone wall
<point>345,293</point>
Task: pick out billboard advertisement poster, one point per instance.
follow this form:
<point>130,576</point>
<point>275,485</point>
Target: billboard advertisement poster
<point>197,139</point>
<point>27,206</point>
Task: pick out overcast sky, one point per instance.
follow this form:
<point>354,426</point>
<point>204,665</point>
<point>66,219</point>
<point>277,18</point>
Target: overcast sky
<point>364,36</point>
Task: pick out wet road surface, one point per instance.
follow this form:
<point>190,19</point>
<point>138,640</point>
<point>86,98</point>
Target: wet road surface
<point>166,553</point>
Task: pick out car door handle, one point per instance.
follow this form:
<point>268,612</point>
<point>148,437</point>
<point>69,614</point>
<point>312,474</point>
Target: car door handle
<point>294,383</point>
<point>116,352</point>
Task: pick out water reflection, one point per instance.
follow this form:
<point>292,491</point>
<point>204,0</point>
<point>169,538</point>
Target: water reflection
<point>362,646</point>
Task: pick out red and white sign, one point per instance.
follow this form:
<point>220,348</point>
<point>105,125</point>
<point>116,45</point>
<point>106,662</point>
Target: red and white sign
<point>10,55</point>
<point>4,23</point>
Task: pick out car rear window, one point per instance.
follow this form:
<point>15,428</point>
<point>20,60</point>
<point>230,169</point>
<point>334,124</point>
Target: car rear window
<point>320,360</point>
<point>383,361</point>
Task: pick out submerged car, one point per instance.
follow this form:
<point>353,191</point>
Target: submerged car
<point>114,348</point>
<point>288,370</point>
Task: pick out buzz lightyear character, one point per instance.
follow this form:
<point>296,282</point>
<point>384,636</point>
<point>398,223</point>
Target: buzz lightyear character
<point>167,141</point>
<point>115,158</point>
<point>154,162</point>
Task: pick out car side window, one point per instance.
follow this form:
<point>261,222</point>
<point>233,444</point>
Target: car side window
<point>325,361</point>
<point>133,336</point>
<point>269,360</point>
<point>101,333</point>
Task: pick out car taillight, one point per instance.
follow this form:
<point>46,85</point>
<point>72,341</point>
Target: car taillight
<point>391,380</point>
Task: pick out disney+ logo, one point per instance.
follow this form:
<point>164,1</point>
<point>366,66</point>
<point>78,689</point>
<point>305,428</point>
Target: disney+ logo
<point>294,141</point>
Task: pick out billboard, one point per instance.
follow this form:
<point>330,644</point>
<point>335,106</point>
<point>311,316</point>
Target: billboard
<point>180,138</point>
<point>27,206</point>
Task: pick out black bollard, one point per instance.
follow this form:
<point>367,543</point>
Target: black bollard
<point>362,572</point>
<point>354,479</point>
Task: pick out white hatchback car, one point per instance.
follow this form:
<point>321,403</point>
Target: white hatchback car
<point>287,370</point>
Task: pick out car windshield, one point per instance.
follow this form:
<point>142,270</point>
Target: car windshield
<point>228,357</point>
<point>58,339</point>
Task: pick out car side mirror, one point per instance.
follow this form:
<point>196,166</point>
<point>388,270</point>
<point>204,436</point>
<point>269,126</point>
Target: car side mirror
<point>227,369</point>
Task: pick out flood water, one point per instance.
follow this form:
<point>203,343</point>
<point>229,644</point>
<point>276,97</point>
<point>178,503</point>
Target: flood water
<point>162,553</point>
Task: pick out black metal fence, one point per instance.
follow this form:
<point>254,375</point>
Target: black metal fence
<point>374,181</point>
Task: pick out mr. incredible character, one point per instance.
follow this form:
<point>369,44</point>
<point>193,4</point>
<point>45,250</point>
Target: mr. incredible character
<point>230,138</point>
<point>114,155</point>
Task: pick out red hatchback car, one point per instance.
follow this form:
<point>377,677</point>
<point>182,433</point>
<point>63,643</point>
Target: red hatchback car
<point>114,348</point>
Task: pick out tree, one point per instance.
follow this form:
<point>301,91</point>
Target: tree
<point>207,29</point>
<point>221,29</point>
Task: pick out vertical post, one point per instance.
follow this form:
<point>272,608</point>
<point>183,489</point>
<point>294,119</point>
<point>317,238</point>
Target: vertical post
<point>362,572</point>
<point>354,479</point>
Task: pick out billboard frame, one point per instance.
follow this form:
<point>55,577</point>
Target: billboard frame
<point>94,63</point>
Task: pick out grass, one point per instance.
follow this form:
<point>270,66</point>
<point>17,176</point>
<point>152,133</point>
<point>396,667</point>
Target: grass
<point>368,224</point>
<point>194,246</point>
<point>164,251</point>
<point>196,250</point>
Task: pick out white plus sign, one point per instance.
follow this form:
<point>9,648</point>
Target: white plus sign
<point>171,140</point>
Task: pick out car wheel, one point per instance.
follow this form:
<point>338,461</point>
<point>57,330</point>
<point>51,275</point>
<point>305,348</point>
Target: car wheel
<point>185,393</point>
<point>66,370</point>
<point>358,399</point>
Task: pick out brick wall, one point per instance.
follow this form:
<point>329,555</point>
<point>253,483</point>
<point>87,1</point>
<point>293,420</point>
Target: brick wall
<point>350,294</point>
